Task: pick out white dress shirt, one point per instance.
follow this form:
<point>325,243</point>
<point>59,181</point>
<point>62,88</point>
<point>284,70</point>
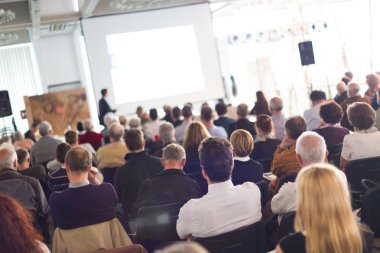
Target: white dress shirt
<point>223,209</point>
<point>312,118</point>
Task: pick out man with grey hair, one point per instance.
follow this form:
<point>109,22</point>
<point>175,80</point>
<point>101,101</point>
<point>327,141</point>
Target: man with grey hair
<point>167,136</point>
<point>353,92</point>
<point>171,185</point>
<point>278,118</point>
<point>43,151</point>
<point>21,141</point>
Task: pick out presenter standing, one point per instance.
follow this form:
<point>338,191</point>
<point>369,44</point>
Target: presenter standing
<point>104,107</point>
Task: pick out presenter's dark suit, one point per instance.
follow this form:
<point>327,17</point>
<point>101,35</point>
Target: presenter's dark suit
<point>104,108</point>
<point>243,124</point>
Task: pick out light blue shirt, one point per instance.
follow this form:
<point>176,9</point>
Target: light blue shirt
<point>217,131</point>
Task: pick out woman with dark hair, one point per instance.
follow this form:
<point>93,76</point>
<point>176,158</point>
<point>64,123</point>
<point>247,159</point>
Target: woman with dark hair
<point>261,105</point>
<point>17,234</point>
<point>331,114</point>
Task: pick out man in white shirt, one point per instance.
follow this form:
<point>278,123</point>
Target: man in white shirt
<point>311,116</point>
<point>225,207</point>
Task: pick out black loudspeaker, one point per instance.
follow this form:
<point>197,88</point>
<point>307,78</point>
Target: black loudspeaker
<point>306,53</point>
<point>5,104</point>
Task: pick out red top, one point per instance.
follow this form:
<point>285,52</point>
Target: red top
<point>95,139</point>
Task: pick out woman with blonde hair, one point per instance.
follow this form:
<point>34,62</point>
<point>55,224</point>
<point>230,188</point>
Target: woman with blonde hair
<point>195,133</point>
<point>324,221</point>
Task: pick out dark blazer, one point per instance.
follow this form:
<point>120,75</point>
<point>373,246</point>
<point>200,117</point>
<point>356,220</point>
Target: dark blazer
<point>224,122</point>
<point>332,135</point>
<point>193,168</point>
<point>243,124</point>
<point>130,176</point>
<point>169,186</point>
<point>250,171</point>
<point>264,149</point>
<point>104,108</point>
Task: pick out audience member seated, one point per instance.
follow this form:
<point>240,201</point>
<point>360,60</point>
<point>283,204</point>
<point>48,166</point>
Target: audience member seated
<point>373,82</point>
<point>243,122</point>
<point>347,78</point>
<point>353,92</point>
<point>187,119</point>
<point>223,120</point>
<point>245,169</point>
<point>90,136</point>
<point>261,105</point>
<point>176,116</point>
<point>330,129</point>
<point>71,138</point>
<point>171,185</point>
<point>167,136</point>
<point>43,150</point>
<point>341,88</point>
<point>168,114</point>
<point>225,207</point>
<point>278,118</point>
<point>123,122</point>
<point>17,233</point>
<point>109,119</point>
<point>364,142</point>
<point>311,116</point>
<point>6,139</point>
<point>183,247</point>
<point>80,128</point>
<point>135,123</point>
<point>284,160</point>
<point>57,178</point>
<point>267,143</point>
<point>208,122</point>
<point>30,134</point>
<point>22,142</point>
<point>112,155</point>
<point>138,167</point>
<point>324,221</point>
<point>23,165</point>
<point>152,127</point>
<point>310,149</point>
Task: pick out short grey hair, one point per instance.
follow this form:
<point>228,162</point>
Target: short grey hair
<point>276,104</point>
<point>135,123</point>
<point>87,125</point>
<point>167,133</point>
<point>44,128</point>
<point>116,132</point>
<point>311,147</point>
<point>19,136</point>
<point>7,156</point>
<point>353,88</point>
<point>110,118</point>
<point>174,152</point>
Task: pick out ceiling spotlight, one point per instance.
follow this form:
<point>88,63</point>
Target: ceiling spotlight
<point>6,16</point>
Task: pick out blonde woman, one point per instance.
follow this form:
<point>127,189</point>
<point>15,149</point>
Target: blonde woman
<point>324,222</point>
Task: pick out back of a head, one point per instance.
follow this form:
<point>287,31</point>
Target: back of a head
<point>311,147</point>
<point>242,111</point>
<point>341,87</point>
<point>153,114</point>
<point>61,152</point>
<point>176,113</point>
<point>173,152</point>
<point>187,112</point>
<point>242,143</point>
<point>353,89</point>
<point>361,116</point>
<point>134,139</point>
<point>349,74</point>
<point>80,126</point>
<point>194,135</point>
<point>183,247</point>
<point>295,126</point>
<point>317,95</point>
<point>216,158</point>
<point>265,124</point>
<point>7,156</point>
<point>110,118</point>
<point>221,108</point>
<point>78,160</point>
<point>123,120</point>
<point>116,132</point>
<point>134,122</point>
<point>71,137</point>
<point>18,136</point>
<point>166,132</point>
<point>44,128</point>
<point>103,92</point>
<point>87,124</point>
<point>322,194</point>
<point>22,155</point>
<point>5,139</point>
<point>373,80</point>
<point>331,112</point>
<point>206,113</point>
<point>276,104</point>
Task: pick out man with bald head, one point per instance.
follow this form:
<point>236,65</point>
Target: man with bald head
<point>341,88</point>
<point>353,92</point>
<point>278,118</point>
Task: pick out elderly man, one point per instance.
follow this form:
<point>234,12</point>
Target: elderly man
<point>278,118</point>
<point>43,150</point>
<point>225,207</point>
<point>311,116</point>
<point>243,121</point>
<point>171,185</point>
<point>167,136</point>
<point>341,88</point>
<point>353,92</point>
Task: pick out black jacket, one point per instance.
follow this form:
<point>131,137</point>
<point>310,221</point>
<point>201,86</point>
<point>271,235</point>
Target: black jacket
<point>265,149</point>
<point>243,124</point>
<point>130,176</point>
<point>250,171</point>
<point>169,186</point>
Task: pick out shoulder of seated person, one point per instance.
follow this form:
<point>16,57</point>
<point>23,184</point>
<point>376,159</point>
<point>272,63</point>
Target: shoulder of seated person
<point>248,185</point>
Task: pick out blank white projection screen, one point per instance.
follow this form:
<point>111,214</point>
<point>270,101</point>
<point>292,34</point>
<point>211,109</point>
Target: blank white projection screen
<point>154,58</point>
<point>154,63</point>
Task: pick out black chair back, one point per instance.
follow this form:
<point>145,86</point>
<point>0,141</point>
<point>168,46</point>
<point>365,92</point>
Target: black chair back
<point>357,170</point>
<point>334,154</point>
<point>157,224</point>
<point>370,212</point>
<point>249,239</point>
<point>287,224</point>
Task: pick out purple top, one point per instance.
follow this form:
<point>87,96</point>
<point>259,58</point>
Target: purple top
<point>333,135</point>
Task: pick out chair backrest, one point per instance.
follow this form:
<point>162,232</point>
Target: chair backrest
<point>287,224</point>
<point>157,224</point>
<point>334,154</point>
<point>356,170</point>
<point>371,210</point>
<point>249,239</point>
<point>17,189</point>
<point>266,163</point>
